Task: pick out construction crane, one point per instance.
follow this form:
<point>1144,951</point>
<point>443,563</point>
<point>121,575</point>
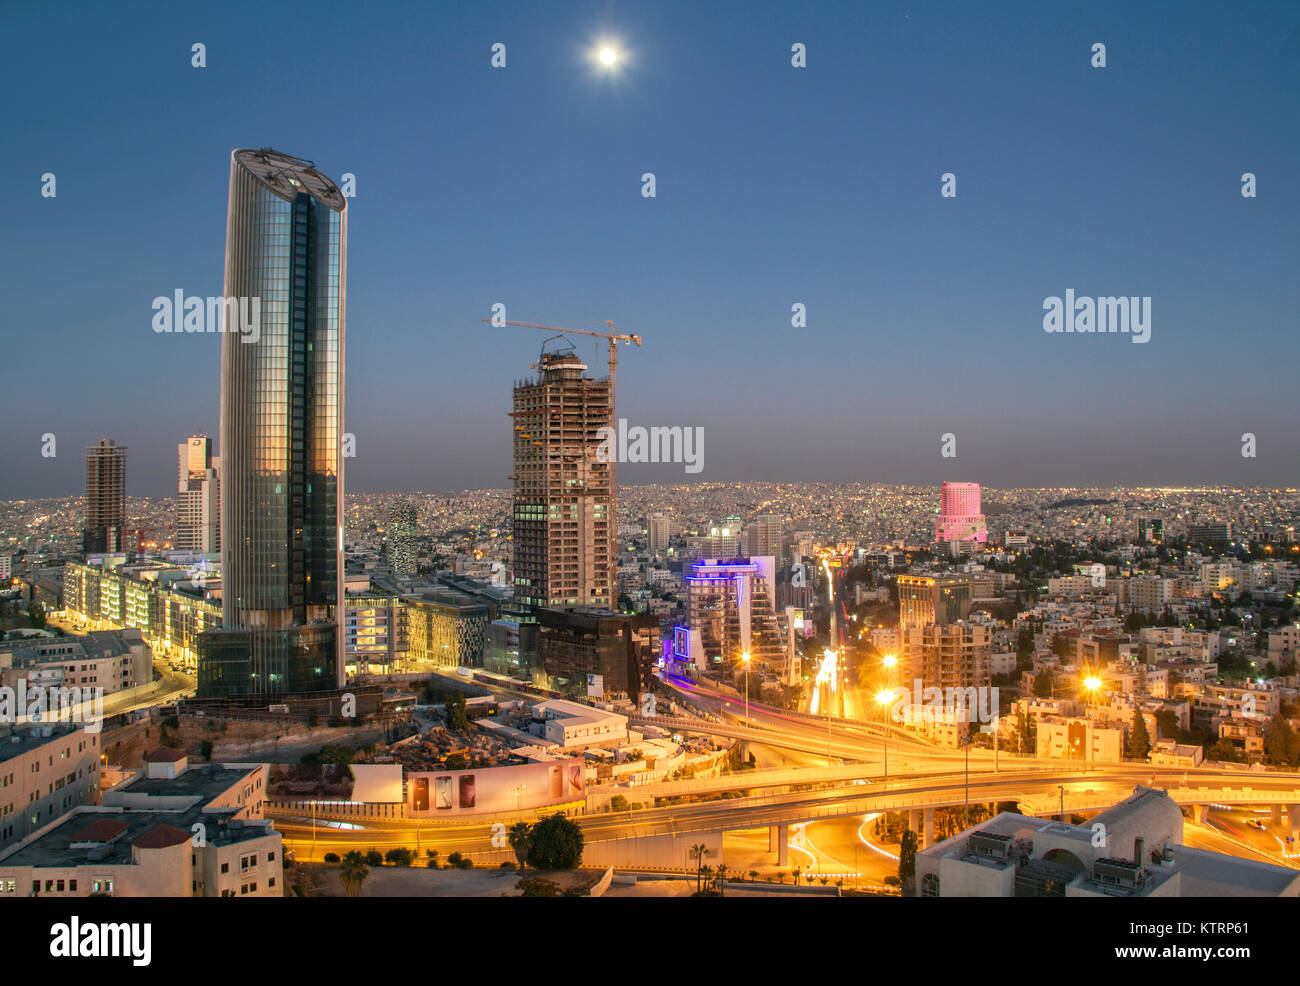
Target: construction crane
<point>614,339</point>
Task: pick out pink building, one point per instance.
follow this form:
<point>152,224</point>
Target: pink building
<point>959,514</point>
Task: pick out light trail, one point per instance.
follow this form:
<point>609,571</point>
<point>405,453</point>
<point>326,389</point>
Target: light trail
<point>871,817</point>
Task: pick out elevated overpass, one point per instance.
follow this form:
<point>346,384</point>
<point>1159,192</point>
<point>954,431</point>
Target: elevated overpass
<point>663,836</point>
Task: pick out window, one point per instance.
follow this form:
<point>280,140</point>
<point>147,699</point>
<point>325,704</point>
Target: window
<point>225,867</point>
<point>930,885</point>
<point>72,885</point>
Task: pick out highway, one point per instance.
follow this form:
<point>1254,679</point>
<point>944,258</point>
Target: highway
<point>1094,791</point>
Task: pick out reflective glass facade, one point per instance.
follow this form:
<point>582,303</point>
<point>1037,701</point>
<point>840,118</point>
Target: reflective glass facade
<point>281,418</point>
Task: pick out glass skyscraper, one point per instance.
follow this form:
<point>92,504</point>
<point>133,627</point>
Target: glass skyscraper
<point>281,422</point>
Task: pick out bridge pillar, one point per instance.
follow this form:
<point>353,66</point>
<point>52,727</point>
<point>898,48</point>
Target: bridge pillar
<point>914,820</point>
<point>1276,817</point>
<point>783,844</point>
<point>1200,813</point>
<point>771,838</point>
<point>1293,821</point>
<point>928,841</point>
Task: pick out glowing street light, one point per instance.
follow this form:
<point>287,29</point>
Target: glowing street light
<point>1091,684</point>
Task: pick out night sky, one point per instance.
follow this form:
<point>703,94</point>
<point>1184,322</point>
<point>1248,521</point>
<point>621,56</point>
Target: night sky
<point>775,185</point>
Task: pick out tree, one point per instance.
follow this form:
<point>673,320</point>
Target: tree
<point>707,873</point>
<point>1025,738</point>
<point>722,877</point>
<point>520,837</point>
<point>432,856</point>
<point>374,857</point>
<point>1139,740</point>
<point>36,615</point>
<point>698,852</point>
<point>1280,741</point>
<point>457,719</point>
<point>556,844</point>
<point>353,872</point>
<point>907,860</point>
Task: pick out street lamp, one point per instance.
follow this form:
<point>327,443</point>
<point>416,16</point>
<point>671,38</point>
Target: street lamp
<point>745,659</point>
<point>1091,683</point>
<point>883,698</point>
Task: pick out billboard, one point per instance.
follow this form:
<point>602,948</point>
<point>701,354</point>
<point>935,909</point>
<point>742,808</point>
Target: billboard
<point>595,686</point>
<point>446,793</point>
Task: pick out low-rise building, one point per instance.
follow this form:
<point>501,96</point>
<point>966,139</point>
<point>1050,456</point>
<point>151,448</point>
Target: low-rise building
<point>1141,855</point>
<point>571,725</point>
<point>46,770</point>
<point>168,830</point>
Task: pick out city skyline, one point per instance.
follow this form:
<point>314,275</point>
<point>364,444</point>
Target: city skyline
<point>847,221</point>
<point>659,451</point>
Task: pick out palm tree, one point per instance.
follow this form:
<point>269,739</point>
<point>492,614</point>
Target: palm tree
<point>753,876</point>
<point>780,876</point>
<point>698,852</point>
<point>353,872</point>
<point>432,854</point>
<point>722,876</point>
<point>708,874</point>
<point>796,874</point>
<point>520,837</point>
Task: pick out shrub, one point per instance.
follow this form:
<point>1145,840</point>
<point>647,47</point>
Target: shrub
<point>535,886</point>
<point>400,856</point>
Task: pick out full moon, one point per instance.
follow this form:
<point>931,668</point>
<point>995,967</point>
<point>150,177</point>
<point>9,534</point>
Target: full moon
<point>607,56</point>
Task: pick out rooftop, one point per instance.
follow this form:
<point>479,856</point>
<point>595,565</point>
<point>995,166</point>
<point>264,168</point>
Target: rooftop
<point>206,782</point>
<point>286,176</point>
<point>64,845</point>
<point>24,739</point>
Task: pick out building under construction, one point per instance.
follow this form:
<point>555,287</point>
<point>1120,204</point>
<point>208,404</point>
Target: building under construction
<point>564,496</point>
<point>105,497</point>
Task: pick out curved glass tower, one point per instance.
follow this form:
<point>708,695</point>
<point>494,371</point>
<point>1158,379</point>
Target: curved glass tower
<point>281,423</point>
